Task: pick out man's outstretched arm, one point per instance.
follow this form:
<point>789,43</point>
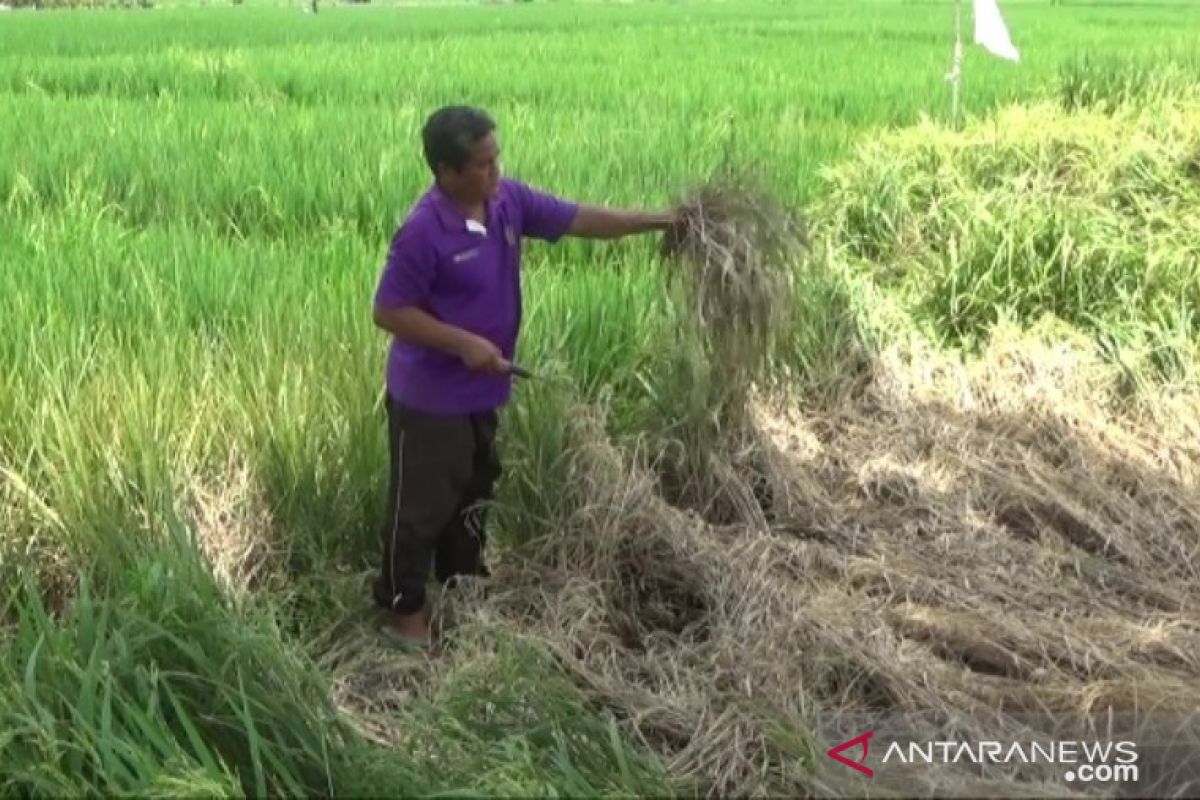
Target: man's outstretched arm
<point>592,222</point>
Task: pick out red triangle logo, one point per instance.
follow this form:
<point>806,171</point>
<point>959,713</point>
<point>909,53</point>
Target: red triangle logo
<point>862,739</point>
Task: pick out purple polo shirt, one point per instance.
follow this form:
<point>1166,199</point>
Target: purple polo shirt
<point>466,278</point>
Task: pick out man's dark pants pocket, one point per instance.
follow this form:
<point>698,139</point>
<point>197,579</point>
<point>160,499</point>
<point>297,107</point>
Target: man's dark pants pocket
<point>443,468</point>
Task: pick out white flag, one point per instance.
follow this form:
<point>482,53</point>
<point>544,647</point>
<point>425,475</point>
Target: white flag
<point>991,32</point>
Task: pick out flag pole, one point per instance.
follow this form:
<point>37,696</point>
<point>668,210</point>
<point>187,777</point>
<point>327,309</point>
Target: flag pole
<point>955,76</point>
<point>991,33</point>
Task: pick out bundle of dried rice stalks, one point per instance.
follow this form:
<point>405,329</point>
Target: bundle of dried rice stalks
<point>738,247</point>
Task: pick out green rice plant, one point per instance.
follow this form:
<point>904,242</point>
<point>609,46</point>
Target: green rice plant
<point>1079,215</point>
<point>1110,81</point>
<point>161,688</point>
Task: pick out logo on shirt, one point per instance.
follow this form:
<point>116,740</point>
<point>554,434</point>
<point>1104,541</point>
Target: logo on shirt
<point>465,255</point>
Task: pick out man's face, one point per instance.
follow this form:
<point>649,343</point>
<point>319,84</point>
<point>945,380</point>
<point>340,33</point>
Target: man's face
<point>479,178</point>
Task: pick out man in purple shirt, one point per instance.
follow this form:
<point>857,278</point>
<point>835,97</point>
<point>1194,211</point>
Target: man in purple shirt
<point>450,296</point>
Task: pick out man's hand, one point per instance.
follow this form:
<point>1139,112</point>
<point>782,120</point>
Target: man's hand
<point>592,222</point>
<point>481,355</point>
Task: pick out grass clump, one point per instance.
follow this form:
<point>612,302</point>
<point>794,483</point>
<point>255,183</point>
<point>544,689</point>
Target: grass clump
<point>163,688</point>
<point>1038,211</point>
<point>1109,81</point>
<point>514,724</point>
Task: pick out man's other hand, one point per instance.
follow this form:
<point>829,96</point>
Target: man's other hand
<point>481,355</point>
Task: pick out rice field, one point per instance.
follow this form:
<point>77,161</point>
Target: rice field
<point>964,481</point>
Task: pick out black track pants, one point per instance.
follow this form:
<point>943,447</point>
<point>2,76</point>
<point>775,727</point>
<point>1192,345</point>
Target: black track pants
<point>442,469</point>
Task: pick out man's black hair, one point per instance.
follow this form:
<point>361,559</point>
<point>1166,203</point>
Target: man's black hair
<point>451,132</point>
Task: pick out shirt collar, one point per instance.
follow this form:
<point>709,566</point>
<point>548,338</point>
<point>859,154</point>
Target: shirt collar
<point>454,220</point>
